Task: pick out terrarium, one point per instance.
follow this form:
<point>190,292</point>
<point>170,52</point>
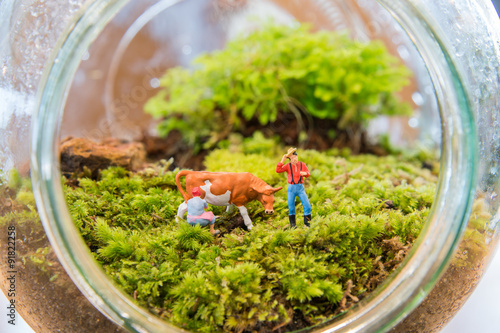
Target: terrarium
<point>380,116</point>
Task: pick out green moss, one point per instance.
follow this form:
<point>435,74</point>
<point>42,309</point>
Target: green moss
<point>26,198</point>
<point>15,180</point>
<point>270,277</point>
<point>259,165</point>
<point>276,70</point>
<point>366,212</point>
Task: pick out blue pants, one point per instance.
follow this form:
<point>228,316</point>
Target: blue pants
<point>297,190</point>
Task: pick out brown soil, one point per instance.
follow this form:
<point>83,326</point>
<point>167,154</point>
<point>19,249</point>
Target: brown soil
<point>322,134</point>
<point>173,147</point>
<point>444,301</point>
<point>287,127</point>
<point>56,306</point>
<point>47,305</point>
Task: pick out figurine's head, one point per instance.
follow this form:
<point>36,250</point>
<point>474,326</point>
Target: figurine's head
<point>196,192</point>
<point>294,158</point>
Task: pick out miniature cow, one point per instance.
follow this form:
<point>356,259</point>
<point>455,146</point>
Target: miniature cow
<point>226,189</point>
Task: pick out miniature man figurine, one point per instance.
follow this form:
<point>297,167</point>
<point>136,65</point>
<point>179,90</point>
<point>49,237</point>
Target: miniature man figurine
<point>196,212</point>
<point>296,172</point>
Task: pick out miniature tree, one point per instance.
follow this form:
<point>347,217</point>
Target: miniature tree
<point>276,70</point>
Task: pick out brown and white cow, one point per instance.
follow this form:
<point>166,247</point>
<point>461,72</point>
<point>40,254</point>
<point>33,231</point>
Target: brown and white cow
<point>226,189</point>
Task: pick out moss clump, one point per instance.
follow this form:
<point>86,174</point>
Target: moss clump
<point>367,211</point>
<point>279,70</point>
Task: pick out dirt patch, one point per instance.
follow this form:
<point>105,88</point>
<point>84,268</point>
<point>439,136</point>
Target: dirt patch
<point>45,296</point>
<point>444,301</point>
<point>56,306</point>
<point>321,135</point>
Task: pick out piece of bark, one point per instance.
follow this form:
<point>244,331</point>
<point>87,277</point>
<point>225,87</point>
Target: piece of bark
<point>78,154</point>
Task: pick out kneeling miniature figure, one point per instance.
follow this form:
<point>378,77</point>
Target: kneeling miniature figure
<point>196,212</point>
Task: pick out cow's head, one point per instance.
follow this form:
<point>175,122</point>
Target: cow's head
<point>266,197</point>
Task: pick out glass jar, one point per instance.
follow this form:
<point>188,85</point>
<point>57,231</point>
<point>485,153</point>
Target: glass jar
<point>101,60</point>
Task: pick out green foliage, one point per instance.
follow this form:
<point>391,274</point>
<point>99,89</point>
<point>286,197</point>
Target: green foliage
<point>257,144</point>
<point>306,276</point>
<point>193,237</point>
<point>260,279</point>
<point>259,165</point>
<point>473,246</point>
<point>132,202</point>
<point>40,258</point>
<point>26,198</point>
<point>230,297</point>
<point>15,180</point>
<point>279,69</point>
<point>256,280</point>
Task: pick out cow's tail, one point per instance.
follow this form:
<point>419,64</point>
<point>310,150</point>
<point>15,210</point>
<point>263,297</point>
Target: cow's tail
<point>180,174</point>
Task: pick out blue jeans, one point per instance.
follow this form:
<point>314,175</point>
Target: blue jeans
<point>297,190</point>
